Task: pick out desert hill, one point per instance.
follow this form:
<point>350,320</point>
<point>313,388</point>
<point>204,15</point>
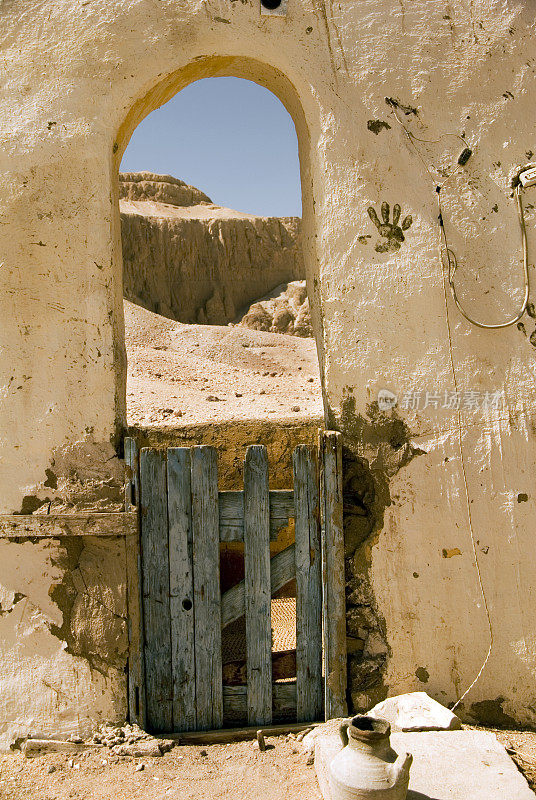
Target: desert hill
<point>190,260</point>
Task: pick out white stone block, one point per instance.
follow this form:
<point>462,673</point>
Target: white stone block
<point>447,765</point>
<point>415,711</point>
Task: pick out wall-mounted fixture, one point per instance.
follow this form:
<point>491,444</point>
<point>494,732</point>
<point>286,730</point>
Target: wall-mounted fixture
<point>276,8</point>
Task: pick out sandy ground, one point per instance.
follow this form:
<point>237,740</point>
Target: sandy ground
<point>181,374</point>
<point>236,771</point>
<point>521,747</point>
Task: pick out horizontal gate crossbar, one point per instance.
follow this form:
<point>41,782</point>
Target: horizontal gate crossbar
<point>231,509</point>
<point>113,523</point>
<point>283,701</point>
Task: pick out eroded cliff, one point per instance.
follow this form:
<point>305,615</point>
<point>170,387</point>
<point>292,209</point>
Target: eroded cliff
<point>196,262</point>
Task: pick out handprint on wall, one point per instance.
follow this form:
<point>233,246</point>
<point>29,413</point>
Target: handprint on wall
<point>392,231</point>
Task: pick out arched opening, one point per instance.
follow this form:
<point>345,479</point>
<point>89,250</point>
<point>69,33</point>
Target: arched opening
<point>211,239</point>
<point>219,334</point>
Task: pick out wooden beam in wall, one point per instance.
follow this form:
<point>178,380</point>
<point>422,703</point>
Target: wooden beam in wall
<point>24,526</point>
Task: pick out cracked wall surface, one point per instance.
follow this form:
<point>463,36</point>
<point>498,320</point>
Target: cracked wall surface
<point>63,636</point>
<point>84,476</point>
<point>81,77</point>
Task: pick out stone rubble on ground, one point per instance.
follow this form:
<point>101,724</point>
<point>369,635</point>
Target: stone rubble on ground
<point>121,740</point>
<point>131,740</point>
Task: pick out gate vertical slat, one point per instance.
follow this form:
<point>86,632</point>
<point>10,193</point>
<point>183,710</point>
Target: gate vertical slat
<point>309,684</point>
<point>333,580</point>
<point>257,586</point>
<point>136,681</point>
<point>155,569</point>
<point>181,587</point>
<point>207,607</point>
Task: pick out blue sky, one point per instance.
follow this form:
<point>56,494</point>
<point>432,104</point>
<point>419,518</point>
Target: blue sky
<point>229,137</point>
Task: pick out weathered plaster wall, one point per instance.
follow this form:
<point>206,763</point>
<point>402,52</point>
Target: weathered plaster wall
<point>79,79</point>
<point>63,636</point>
<point>84,476</point>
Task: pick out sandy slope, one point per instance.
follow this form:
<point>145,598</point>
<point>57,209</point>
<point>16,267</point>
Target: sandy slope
<point>175,371</point>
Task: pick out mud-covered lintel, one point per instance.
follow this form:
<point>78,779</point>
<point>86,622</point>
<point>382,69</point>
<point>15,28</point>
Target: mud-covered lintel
<point>26,526</point>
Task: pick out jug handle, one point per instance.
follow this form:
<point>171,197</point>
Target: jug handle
<point>343,732</point>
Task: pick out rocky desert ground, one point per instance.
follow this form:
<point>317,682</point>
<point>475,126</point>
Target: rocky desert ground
<point>234,771</point>
<point>181,374</point>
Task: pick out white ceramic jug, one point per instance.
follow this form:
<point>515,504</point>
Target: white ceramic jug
<point>367,768</point>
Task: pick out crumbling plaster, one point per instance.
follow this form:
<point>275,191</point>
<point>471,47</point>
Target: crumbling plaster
<point>81,76</point>
<point>63,636</point>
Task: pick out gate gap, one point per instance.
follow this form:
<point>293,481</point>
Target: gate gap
<point>217,321</point>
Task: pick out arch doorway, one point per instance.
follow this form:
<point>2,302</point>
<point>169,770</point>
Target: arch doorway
<point>218,328</point>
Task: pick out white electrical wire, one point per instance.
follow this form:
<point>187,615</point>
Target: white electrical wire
<point>453,266</point>
<point>468,507</point>
<point>452,262</point>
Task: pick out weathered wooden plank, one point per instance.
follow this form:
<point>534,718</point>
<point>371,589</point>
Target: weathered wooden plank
<point>181,587</point>
<point>334,608</point>
<point>282,570</point>
<point>230,532</point>
<point>228,735</point>
<point>231,505</point>
<point>207,611</point>
<point>136,676</point>
<point>231,516</point>
<point>309,684</point>
<point>155,571</point>
<point>235,701</point>
<point>136,688</point>
<point>131,473</point>
<point>257,586</point>
<point>117,523</point>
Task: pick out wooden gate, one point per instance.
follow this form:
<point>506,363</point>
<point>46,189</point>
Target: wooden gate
<point>178,613</point>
